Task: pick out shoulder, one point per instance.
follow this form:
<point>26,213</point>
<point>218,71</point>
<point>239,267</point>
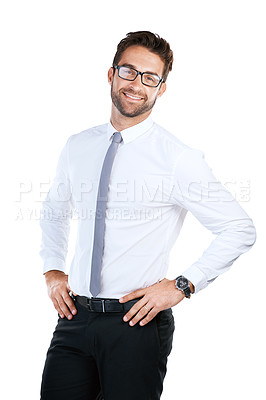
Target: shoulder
<point>175,145</point>
<point>89,138</point>
<point>90,133</point>
<point>186,160</point>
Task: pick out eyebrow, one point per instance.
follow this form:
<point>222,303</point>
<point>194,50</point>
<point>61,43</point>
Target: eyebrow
<point>133,66</point>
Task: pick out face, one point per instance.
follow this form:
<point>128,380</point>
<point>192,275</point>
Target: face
<point>132,98</point>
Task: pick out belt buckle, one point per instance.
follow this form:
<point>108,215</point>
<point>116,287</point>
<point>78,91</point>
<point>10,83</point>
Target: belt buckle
<point>89,305</point>
<point>102,301</point>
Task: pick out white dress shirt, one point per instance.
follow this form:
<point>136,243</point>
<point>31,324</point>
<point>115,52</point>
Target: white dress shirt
<point>155,180</point>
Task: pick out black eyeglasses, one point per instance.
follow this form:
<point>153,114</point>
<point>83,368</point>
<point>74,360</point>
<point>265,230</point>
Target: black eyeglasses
<point>130,74</point>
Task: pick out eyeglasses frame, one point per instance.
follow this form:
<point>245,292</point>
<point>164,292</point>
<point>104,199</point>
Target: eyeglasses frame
<point>138,73</point>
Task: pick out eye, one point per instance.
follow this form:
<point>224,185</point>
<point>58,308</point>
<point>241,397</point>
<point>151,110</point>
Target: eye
<point>127,72</point>
<point>151,79</point>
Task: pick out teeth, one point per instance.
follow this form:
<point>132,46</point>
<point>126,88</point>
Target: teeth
<point>133,97</point>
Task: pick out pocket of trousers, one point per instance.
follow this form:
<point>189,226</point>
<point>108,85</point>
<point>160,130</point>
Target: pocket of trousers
<point>165,317</point>
<point>165,326</point>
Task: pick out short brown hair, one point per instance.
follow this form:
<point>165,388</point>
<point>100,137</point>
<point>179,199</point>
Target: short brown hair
<point>152,42</point>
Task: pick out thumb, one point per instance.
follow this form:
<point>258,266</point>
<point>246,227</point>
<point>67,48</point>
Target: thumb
<point>70,290</point>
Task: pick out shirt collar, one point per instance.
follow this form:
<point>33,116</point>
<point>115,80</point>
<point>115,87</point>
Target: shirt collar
<point>133,132</point>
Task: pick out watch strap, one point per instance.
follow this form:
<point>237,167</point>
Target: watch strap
<point>187,292</point>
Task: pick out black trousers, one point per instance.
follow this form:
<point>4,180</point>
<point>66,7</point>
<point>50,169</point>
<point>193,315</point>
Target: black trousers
<point>98,356</point>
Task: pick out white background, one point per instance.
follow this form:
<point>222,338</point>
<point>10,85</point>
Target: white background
<point>55,56</point>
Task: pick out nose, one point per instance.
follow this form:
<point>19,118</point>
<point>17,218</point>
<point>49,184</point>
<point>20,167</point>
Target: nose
<point>137,81</point>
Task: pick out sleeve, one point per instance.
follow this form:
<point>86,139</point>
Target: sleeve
<point>197,190</point>
<point>55,218</point>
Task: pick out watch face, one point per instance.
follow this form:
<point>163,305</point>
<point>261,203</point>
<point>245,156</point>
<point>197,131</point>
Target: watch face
<point>182,282</point>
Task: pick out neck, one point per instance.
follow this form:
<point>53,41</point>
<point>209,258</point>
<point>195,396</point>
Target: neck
<point>120,122</point>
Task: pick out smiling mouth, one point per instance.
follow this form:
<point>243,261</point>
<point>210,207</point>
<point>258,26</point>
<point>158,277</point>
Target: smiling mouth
<point>136,98</point>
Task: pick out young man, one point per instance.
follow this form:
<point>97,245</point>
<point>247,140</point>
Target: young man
<point>116,325</point>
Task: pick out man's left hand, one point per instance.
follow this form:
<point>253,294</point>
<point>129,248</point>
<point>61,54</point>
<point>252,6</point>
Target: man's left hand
<point>158,297</point>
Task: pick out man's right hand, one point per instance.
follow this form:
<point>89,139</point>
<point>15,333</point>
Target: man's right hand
<point>58,291</point>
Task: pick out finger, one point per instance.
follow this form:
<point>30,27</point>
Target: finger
<point>134,309</point>
<point>140,315</point>
<point>70,290</point>
<point>69,302</point>
<point>148,317</point>
<point>133,295</point>
<point>63,307</point>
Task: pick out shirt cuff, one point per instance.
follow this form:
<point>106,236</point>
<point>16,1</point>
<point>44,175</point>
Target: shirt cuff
<point>54,263</point>
<point>197,277</point>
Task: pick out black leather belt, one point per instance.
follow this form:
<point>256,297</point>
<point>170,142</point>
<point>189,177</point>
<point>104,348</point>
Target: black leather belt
<point>104,305</point>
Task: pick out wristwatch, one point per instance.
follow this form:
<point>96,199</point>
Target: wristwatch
<point>182,284</point>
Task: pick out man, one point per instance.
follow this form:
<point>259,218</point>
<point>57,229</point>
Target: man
<point>116,325</point>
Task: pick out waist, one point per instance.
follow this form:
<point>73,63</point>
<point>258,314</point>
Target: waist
<point>104,304</point>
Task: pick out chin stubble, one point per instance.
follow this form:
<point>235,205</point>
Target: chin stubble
<point>138,110</point>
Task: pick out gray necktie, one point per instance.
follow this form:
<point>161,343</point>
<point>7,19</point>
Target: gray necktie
<point>97,253</point>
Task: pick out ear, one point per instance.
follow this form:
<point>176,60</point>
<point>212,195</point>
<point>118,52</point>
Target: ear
<point>110,75</point>
<point>162,89</point>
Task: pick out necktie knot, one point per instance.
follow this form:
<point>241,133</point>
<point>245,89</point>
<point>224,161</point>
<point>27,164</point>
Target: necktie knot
<point>117,137</point>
